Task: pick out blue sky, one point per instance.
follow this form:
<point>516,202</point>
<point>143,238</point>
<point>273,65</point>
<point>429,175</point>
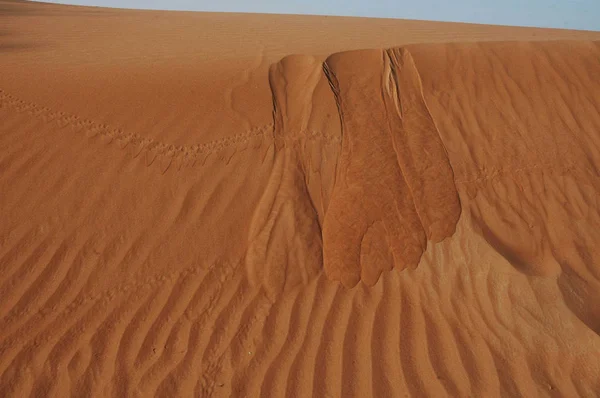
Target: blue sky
<point>571,14</point>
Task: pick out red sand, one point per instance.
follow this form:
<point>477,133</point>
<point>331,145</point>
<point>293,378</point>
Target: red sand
<point>182,194</point>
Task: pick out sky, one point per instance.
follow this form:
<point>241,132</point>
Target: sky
<point>569,14</point>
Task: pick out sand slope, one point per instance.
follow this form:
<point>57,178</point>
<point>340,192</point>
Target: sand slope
<point>231,205</point>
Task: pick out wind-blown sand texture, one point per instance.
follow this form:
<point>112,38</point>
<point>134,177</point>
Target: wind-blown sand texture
<point>215,205</point>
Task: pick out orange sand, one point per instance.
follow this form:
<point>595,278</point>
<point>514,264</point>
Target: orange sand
<point>197,204</point>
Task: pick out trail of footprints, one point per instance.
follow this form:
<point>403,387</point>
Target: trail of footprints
<point>176,156</point>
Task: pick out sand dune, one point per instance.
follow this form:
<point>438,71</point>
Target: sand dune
<point>249,205</point>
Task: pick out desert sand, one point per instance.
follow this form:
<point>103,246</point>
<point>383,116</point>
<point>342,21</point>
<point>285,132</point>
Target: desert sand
<point>216,205</point>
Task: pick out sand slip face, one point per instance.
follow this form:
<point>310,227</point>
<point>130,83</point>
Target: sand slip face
<point>179,207</point>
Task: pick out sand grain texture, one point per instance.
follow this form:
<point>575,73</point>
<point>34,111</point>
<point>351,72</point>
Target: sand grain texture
<point>217,205</point>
